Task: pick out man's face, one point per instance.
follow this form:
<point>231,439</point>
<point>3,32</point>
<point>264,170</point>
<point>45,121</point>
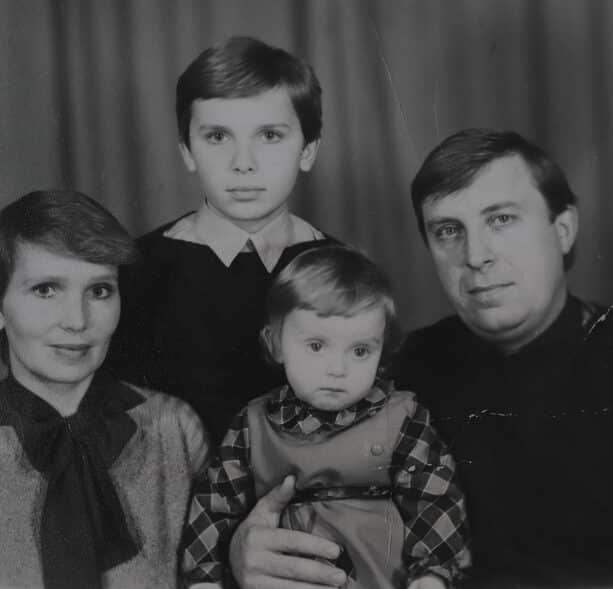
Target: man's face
<point>499,255</point>
<point>247,153</point>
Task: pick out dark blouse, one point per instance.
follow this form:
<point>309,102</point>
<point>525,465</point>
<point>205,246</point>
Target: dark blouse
<point>190,326</point>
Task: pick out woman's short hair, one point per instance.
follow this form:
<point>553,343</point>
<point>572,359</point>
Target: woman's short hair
<point>65,222</point>
<point>241,67</point>
<point>331,281</point>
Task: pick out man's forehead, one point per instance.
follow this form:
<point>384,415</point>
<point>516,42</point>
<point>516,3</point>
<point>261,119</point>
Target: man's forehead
<point>505,182</point>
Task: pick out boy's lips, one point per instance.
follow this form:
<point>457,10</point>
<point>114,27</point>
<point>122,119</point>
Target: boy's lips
<point>245,193</point>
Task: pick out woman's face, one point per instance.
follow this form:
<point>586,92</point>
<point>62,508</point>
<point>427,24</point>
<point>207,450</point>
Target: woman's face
<point>59,313</point>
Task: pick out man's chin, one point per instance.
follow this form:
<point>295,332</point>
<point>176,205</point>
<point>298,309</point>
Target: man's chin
<point>497,325</point>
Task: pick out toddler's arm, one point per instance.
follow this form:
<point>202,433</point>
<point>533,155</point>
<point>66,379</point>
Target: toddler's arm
<point>221,499</point>
<point>430,502</point>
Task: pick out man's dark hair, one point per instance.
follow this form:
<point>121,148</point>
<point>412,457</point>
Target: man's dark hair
<point>242,67</point>
<point>454,164</point>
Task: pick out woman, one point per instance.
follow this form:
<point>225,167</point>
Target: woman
<point>95,473</point>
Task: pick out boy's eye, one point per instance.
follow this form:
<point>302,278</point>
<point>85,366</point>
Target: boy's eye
<point>102,291</point>
<point>315,346</point>
<point>271,135</point>
<point>361,352</point>
<point>45,290</point>
<point>216,137</point>
<point>501,220</point>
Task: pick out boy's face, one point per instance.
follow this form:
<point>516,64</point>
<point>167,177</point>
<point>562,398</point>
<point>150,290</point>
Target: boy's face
<point>331,362</point>
<point>247,153</point>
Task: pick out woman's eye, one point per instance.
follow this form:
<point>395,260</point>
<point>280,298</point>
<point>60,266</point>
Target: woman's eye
<point>102,291</point>
<point>44,291</point>
<point>315,346</point>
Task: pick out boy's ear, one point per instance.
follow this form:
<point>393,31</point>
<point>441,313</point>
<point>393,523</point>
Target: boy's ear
<point>309,154</point>
<point>188,159</point>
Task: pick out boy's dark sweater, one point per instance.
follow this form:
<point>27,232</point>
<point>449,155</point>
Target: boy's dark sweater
<point>190,326</point>
<point>532,434</point>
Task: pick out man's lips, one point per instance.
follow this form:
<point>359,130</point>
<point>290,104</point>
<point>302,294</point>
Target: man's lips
<point>476,290</point>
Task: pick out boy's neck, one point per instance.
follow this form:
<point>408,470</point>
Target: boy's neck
<point>251,226</point>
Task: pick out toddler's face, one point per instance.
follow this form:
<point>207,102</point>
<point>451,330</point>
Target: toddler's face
<point>331,362</point>
<point>247,153</point>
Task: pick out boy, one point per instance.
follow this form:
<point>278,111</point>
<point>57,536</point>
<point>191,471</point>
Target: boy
<point>249,119</point>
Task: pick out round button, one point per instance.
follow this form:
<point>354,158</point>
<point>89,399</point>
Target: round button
<point>376,449</point>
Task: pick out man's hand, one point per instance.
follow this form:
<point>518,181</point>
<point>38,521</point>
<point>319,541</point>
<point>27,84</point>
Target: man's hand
<point>263,556</point>
<point>428,582</point>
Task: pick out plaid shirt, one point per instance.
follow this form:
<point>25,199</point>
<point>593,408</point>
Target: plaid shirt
<point>422,476</point>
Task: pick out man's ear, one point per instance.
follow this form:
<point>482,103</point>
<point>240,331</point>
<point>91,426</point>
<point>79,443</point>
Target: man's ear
<point>309,155</point>
<point>567,224</point>
<point>188,159</point>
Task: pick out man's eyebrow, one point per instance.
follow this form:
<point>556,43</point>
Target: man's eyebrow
<point>508,204</point>
<point>440,221</point>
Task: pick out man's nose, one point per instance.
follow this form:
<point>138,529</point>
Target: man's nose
<point>478,249</point>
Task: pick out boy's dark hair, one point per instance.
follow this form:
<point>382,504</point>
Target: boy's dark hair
<point>241,67</point>
<point>64,222</point>
<point>454,164</point>
<point>332,281</point>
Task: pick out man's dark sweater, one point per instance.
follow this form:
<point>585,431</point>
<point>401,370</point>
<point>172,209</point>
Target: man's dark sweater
<point>532,434</point>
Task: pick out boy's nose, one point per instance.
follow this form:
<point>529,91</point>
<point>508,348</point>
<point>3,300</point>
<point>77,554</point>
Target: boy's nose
<point>243,159</point>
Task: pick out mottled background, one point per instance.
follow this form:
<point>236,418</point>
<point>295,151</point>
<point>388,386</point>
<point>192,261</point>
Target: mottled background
<point>87,98</point>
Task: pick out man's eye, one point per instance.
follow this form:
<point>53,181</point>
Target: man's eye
<point>361,352</point>
<point>315,346</point>
<point>216,137</point>
<point>44,291</point>
<point>447,232</point>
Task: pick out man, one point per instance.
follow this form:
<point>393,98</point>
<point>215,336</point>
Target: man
<point>513,380</point>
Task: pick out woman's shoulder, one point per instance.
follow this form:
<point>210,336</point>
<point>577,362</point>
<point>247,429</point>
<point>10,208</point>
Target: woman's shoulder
<point>172,419</point>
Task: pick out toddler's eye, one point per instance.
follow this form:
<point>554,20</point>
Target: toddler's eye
<point>315,346</point>
<point>361,352</point>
